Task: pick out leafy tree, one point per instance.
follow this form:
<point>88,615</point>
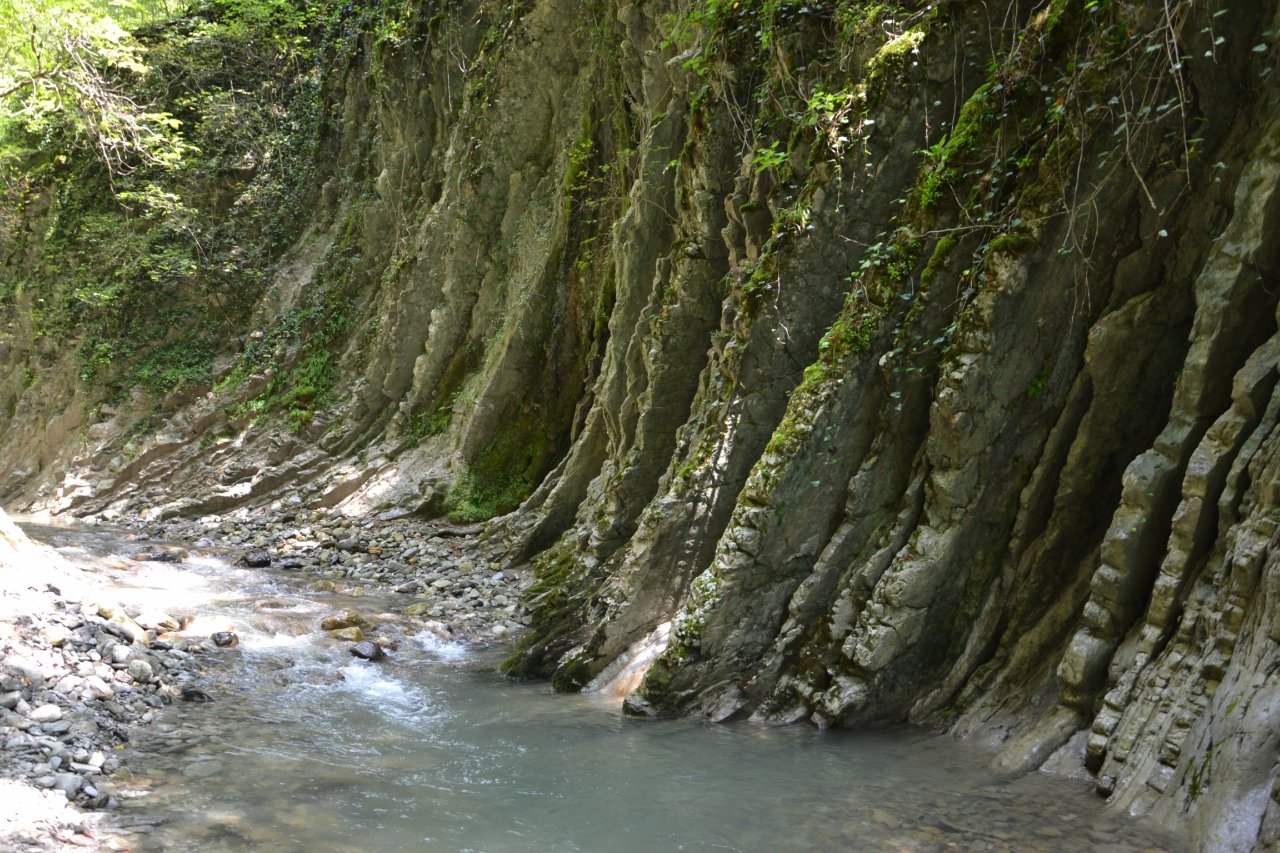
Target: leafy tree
<point>168,149</point>
<point>70,70</point>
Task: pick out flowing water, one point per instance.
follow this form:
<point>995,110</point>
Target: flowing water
<point>307,749</point>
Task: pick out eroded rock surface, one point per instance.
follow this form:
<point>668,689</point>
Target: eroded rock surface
<point>907,385</point>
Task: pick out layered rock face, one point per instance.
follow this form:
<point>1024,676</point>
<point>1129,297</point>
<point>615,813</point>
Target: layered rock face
<point>915,365</point>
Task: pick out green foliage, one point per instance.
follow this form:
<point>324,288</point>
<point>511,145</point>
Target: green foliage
<point>70,71</point>
<point>1037,385</point>
<point>1012,242</point>
<point>834,117</point>
<point>434,422</point>
<point>890,59</point>
<point>480,497</point>
<point>576,170</point>
<point>558,595</point>
<point>773,157</point>
<point>930,188</point>
<point>498,479</point>
<point>945,159</point>
<point>301,352</point>
<point>758,281</point>
<point>179,363</point>
<point>734,28</point>
<point>941,251</point>
<point>154,253</point>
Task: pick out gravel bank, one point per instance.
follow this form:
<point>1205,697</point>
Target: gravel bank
<point>81,671</point>
<point>441,572</point>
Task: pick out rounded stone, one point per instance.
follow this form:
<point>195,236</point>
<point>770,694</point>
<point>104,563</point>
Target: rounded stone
<point>67,783</point>
<point>56,635</point>
<point>140,671</point>
<point>367,650</point>
<point>46,714</point>
<point>351,620</point>
<point>256,559</point>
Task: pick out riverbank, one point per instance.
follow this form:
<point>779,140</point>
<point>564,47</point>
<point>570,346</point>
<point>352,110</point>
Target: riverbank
<point>447,580</point>
<point>87,661</point>
<point>80,671</point>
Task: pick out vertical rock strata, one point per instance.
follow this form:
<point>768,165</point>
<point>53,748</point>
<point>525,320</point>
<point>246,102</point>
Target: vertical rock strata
<point>917,364</point>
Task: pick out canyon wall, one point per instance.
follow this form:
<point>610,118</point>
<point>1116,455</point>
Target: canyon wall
<point>914,363</point>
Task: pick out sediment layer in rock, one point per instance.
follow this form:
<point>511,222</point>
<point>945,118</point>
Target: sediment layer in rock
<point>917,365</point>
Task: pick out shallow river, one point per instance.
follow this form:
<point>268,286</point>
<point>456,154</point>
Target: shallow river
<point>306,749</point>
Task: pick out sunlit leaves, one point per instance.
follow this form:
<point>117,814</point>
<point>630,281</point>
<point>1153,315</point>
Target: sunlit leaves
<point>71,71</point>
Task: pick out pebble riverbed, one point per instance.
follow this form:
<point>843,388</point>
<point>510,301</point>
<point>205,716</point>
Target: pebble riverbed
<point>84,668</point>
<point>437,568</point>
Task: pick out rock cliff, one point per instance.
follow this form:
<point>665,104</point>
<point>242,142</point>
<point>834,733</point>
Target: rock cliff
<point>915,363</point>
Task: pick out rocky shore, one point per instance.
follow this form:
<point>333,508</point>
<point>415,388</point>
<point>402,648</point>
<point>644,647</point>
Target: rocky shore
<point>445,576</point>
<point>83,672</point>
<point>79,671</point>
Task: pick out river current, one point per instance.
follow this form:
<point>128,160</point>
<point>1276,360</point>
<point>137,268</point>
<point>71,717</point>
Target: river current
<point>305,748</point>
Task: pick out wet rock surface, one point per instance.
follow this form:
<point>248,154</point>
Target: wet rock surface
<point>368,651</point>
<point>874,462</point>
<point>224,639</point>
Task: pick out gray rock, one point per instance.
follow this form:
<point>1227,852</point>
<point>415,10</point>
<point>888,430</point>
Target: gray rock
<point>368,650</point>
<point>15,721</point>
<point>194,694</point>
<point>256,559</point>
<point>140,671</point>
<point>159,555</point>
<point>202,769</point>
<point>157,620</point>
<point>46,714</point>
<point>69,683</point>
<point>67,783</point>
<point>56,635</point>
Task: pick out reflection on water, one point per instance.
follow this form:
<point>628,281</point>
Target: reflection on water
<point>307,749</point>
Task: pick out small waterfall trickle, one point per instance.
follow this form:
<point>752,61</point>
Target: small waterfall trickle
<point>620,678</point>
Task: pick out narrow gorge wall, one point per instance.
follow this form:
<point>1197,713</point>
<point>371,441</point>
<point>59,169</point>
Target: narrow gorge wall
<point>916,364</point>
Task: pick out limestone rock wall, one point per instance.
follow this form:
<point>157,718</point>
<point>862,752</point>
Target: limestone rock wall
<point>916,364</point>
